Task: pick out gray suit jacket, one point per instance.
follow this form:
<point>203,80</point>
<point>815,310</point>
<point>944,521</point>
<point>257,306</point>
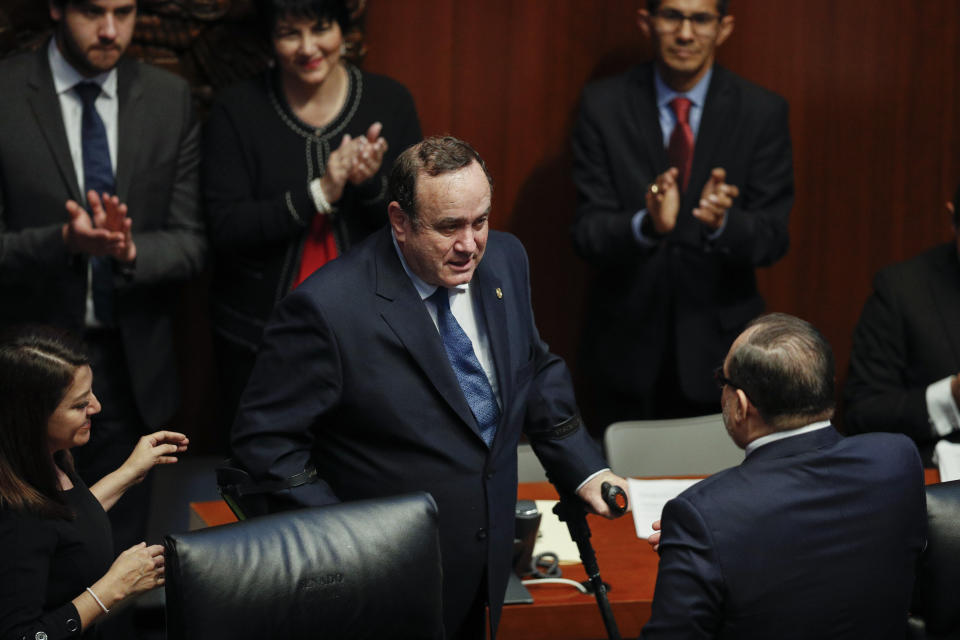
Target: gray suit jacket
<point>156,176</point>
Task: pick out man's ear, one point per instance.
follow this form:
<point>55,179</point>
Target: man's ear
<point>643,23</point>
<point>56,14</point>
<point>725,29</point>
<point>399,220</point>
<point>743,405</point>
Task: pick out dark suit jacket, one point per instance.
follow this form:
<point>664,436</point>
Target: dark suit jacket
<point>156,176</point>
<point>353,377</point>
<point>707,289</point>
<point>813,536</point>
<point>908,336</point>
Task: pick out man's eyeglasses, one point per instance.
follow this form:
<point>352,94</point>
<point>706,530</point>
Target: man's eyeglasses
<point>723,380</point>
<point>669,20</point>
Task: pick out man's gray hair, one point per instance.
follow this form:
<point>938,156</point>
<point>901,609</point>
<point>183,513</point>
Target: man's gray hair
<point>786,368</point>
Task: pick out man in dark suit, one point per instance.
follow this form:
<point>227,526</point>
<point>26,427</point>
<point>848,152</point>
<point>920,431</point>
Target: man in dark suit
<point>685,183</point>
<point>906,348</point>
<point>98,185</point>
<point>814,535</point>
<point>410,365</point>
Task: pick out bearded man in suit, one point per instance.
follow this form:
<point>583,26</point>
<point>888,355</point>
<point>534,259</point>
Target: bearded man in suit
<point>99,220</point>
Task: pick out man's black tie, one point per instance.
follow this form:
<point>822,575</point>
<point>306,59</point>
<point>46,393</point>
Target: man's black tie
<point>97,176</point>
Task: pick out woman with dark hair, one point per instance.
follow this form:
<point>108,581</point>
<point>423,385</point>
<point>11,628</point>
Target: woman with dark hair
<point>294,171</point>
<point>57,571</point>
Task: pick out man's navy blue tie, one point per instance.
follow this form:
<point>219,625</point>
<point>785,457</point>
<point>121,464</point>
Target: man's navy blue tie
<point>470,375</point>
<point>97,176</point>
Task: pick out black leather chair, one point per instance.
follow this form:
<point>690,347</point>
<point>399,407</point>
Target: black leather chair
<point>936,595</point>
<point>365,569</point>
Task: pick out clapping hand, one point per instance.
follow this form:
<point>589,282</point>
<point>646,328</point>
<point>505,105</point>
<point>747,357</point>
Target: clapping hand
<point>663,201</point>
<point>107,232</point>
<point>339,166</point>
<point>717,196</point>
<point>369,154</point>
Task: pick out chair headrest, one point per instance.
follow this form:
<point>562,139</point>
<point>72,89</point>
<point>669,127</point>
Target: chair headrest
<point>362,569</point>
<point>938,576</point>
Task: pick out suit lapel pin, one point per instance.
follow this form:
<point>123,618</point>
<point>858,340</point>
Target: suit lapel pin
<point>499,294</point>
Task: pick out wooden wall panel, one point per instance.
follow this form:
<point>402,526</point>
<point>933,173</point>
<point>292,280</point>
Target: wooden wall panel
<point>874,90</point>
<point>875,119</point>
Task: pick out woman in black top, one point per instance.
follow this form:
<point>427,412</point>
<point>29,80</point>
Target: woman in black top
<point>57,571</point>
<point>294,172</point>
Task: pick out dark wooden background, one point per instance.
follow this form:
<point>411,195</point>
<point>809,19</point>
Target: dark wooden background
<point>874,91</point>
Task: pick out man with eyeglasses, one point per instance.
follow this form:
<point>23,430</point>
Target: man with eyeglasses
<point>684,175</point>
<point>814,535</point>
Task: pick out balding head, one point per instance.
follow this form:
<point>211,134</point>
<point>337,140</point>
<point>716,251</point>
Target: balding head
<point>785,367</point>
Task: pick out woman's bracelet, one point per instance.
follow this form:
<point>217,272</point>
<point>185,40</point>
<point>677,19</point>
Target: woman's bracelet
<point>99,601</point>
<point>319,198</point>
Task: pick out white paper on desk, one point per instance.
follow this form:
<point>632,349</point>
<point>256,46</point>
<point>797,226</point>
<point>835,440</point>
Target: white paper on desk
<point>947,456</point>
<point>553,535</point>
<point>647,498</point>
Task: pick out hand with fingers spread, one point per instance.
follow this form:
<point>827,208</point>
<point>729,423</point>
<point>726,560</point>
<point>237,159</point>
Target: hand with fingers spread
<point>370,152</point>
<point>111,214</point>
<point>105,231</point>
<point>715,199</point>
<point>663,201</point>
<point>81,236</point>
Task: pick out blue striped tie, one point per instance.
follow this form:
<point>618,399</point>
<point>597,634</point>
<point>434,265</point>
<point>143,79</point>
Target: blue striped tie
<point>98,176</point>
<point>474,382</point>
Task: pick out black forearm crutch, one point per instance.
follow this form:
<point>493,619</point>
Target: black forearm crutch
<point>571,509</point>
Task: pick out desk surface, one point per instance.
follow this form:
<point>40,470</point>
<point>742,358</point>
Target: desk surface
<point>560,612</point>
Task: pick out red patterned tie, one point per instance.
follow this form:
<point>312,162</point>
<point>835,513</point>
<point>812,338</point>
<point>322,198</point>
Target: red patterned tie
<point>680,151</point>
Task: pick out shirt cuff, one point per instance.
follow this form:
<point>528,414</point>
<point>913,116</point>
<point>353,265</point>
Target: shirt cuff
<point>590,477</point>
<point>319,199</point>
<point>637,223</point>
<point>713,235</point>
<point>943,412</point>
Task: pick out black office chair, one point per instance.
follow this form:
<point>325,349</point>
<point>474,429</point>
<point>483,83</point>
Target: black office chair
<point>936,595</point>
<point>365,569</point>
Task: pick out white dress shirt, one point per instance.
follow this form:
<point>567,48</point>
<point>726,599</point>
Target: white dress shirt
<point>780,435</point>
<point>473,324</point>
<point>65,79</point>
<point>463,309</point>
<point>943,412</point>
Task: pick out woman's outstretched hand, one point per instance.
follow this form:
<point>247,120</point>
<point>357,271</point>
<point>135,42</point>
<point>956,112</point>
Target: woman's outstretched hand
<point>156,448</point>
